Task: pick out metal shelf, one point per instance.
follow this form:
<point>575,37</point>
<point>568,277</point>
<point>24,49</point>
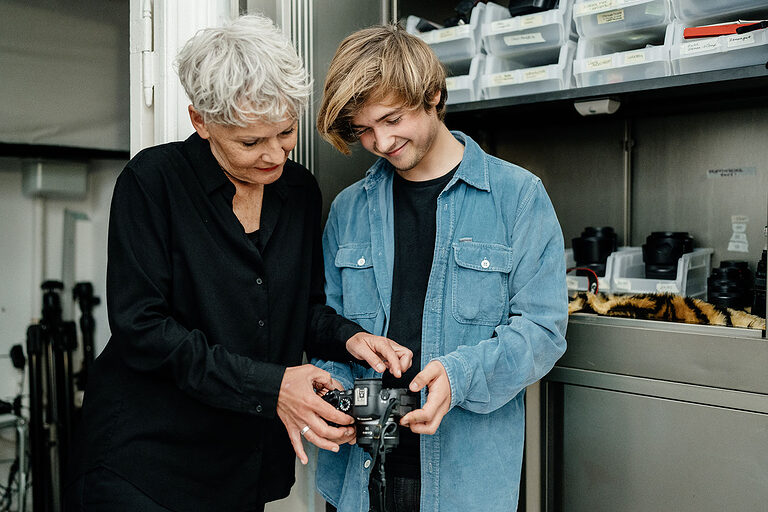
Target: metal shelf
<point>737,87</point>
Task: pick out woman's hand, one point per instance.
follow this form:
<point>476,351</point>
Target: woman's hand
<point>299,406</point>
<point>380,352</point>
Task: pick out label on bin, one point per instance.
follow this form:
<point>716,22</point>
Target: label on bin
<point>596,63</point>
<point>535,74</point>
<point>705,45</point>
<point>506,78</point>
<point>741,40</point>
<point>622,284</point>
<point>531,21</point>
<point>502,25</point>
<point>450,83</point>
<point>572,283</point>
<point>636,57</point>
<point>594,6</point>
<point>610,17</point>
<point>667,288</point>
<point>446,34</point>
<point>533,37</point>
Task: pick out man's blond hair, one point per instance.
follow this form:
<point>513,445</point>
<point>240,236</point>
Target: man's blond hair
<point>373,64</point>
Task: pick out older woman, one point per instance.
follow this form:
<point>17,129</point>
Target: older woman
<point>215,288</point>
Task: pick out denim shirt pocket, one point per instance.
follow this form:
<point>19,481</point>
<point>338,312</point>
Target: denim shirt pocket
<point>358,282</point>
<point>480,277</point>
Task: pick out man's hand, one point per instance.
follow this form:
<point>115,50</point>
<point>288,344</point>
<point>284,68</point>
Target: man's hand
<point>299,406</point>
<point>380,352</point>
<point>427,419</point>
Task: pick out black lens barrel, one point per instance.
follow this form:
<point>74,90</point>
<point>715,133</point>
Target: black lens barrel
<point>662,250</point>
<point>592,248</point>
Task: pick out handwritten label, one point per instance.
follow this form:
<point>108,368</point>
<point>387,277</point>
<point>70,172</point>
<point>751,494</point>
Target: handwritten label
<point>694,47</point>
<point>446,34</point>
<point>593,7</point>
<point>667,288</point>
<point>535,74</point>
<point>451,84</point>
<point>741,40</point>
<point>506,78</point>
<point>502,25</point>
<point>610,17</point>
<point>631,58</point>
<point>531,21</point>
<point>622,284</point>
<point>572,283</point>
<point>532,38</point>
<point>596,63</point>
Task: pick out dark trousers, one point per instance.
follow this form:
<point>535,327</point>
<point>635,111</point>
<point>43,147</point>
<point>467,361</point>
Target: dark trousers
<point>402,495</point>
<point>101,490</point>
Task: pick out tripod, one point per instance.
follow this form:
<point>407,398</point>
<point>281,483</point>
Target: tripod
<point>49,346</point>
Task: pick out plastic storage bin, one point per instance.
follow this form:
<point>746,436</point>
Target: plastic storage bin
<point>628,274</point>
<point>454,46</point>
<point>581,283</point>
<point>730,51</point>
<point>465,88</point>
<point>502,77</point>
<point>601,18</point>
<point>531,40</point>
<point>609,61</point>
<point>691,11</point>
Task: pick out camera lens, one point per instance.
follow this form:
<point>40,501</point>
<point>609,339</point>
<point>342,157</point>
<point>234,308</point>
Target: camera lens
<point>730,285</point>
<point>662,250</point>
<point>592,248</point>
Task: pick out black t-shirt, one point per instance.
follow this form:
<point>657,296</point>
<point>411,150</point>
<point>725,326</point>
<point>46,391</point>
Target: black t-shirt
<point>415,206</point>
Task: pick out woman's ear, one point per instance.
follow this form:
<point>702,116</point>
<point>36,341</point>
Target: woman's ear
<point>198,122</point>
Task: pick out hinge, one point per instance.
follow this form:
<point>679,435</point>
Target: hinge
<point>147,48</point>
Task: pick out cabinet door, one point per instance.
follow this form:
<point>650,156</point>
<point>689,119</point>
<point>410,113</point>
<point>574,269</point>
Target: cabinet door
<point>628,452</point>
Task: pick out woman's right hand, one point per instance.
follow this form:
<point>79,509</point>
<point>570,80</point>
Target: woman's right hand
<point>300,406</point>
<point>380,353</point>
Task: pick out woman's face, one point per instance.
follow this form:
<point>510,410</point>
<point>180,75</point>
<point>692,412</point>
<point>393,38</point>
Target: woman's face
<point>253,154</point>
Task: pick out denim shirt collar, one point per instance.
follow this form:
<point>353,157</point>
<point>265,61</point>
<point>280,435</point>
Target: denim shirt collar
<point>473,169</point>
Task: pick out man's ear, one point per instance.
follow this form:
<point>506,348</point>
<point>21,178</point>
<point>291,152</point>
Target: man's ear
<point>434,101</point>
<point>198,122</point>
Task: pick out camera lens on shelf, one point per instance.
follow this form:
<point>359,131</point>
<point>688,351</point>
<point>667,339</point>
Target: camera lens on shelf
<point>730,285</point>
<point>758,307</point>
<point>592,248</point>
<point>662,250</point>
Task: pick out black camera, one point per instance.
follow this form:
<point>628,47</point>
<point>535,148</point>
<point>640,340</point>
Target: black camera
<point>376,411</point>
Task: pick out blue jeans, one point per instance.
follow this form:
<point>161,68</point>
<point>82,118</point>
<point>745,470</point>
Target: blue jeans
<point>402,495</point>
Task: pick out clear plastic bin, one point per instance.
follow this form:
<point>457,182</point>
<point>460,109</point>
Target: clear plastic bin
<point>502,78</point>
<point>722,52</point>
<point>693,11</point>
<point>533,39</point>
<point>601,18</point>
<point>465,88</point>
<point>581,283</point>
<point>692,272</point>
<point>610,61</point>
<point>454,46</point>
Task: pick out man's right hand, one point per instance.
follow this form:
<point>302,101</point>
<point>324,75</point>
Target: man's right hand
<point>380,352</point>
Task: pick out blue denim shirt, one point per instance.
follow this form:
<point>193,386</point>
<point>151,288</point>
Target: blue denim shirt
<point>495,315</point>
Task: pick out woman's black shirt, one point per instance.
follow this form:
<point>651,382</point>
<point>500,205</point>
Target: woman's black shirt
<point>182,401</point>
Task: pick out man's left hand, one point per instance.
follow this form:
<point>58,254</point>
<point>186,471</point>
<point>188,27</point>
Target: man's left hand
<point>427,419</point>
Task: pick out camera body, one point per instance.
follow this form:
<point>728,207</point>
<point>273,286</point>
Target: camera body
<point>376,410</point>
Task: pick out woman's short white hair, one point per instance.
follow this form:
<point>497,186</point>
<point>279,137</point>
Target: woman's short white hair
<point>243,71</point>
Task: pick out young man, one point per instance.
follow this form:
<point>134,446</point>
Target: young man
<point>451,252</point>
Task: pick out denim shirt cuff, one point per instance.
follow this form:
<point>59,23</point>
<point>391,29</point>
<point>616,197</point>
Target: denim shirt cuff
<point>455,368</point>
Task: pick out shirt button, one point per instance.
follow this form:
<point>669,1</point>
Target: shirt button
<point>259,408</point>
<point>430,467</point>
<point>261,323</point>
<point>367,464</point>
<point>258,280</point>
<point>361,262</point>
<point>485,263</point>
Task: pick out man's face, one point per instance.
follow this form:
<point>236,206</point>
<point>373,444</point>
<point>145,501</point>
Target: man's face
<point>401,135</point>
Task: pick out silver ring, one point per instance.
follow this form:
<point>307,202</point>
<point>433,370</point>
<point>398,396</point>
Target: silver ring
<point>304,430</point>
